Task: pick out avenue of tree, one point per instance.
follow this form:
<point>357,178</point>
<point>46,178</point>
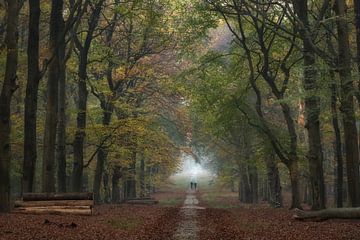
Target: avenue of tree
<point>107,96</point>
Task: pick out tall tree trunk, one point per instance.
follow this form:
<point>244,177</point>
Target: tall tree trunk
<point>61,131</point>
<point>337,145</point>
<point>101,156</point>
<point>312,110</point>
<point>357,25</point>
<point>8,89</point>
<point>56,40</point>
<point>78,143</point>
<point>81,125</point>
<point>30,140</point>
<point>339,175</point>
<point>347,105</point>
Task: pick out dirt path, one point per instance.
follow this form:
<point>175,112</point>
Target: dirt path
<point>189,227</point>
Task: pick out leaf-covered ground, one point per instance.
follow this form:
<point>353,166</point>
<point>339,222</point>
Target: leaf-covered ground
<point>268,224</point>
<point>224,218</point>
<point>110,222</point>
<point>228,219</point>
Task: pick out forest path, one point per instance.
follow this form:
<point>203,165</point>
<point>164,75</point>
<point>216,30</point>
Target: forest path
<point>188,227</point>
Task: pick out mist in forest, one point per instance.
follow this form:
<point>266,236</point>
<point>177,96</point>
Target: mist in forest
<point>192,171</point>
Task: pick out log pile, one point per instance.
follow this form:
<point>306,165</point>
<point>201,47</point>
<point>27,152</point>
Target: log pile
<point>55,203</point>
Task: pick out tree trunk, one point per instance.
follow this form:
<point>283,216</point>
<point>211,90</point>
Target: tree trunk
<point>142,177</point>
<point>78,143</point>
<point>106,187</point>
<point>254,181</point>
<point>337,146</point>
<point>347,105</point>
<point>294,179</point>
<point>8,89</point>
<point>32,86</point>
<point>56,40</point>
<point>130,183</point>
<point>115,197</point>
<point>357,25</point>
<point>81,125</point>
<point>244,186</point>
<point>61,131</point>
<point>312,110</point>
<point>275,199</point>
<point>102,155</point>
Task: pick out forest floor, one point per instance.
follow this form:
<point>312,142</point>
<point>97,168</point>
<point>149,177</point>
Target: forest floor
<point>180,215</point>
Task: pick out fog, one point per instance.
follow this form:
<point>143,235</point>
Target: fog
<point>192,171</point>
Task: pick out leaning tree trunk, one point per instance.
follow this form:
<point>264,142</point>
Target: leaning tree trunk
<point>347,105</point>
<point>8,89</point>
<point>32,85</point>
<point>56,40</point>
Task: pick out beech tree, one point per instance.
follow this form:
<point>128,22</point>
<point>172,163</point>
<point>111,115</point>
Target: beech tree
<point>9,86</point>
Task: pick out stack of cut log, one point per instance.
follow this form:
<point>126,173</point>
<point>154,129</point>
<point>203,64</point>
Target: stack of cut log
<point>55,203</point>
<point>143,201</point>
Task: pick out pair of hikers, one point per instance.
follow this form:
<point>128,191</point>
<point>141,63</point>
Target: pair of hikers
<point>193,185</point>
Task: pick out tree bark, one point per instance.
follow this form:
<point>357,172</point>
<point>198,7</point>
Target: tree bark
<point>294,179</point>
<point>347,105</point>
<point>337,146</point>
<point>142,177</point>
<point>32,86</point>
<point>357,26</point>
<point>78,143</point>
<point>275,199</point>
<point>56,40</point>
<point>254,181</point>
<point>8,89</point>
<point>101,156</point>
<point>312,110</point>
<point>107,194</point>
<point>61,131</point>
<point>130,183</point>
<point>115,189</point>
